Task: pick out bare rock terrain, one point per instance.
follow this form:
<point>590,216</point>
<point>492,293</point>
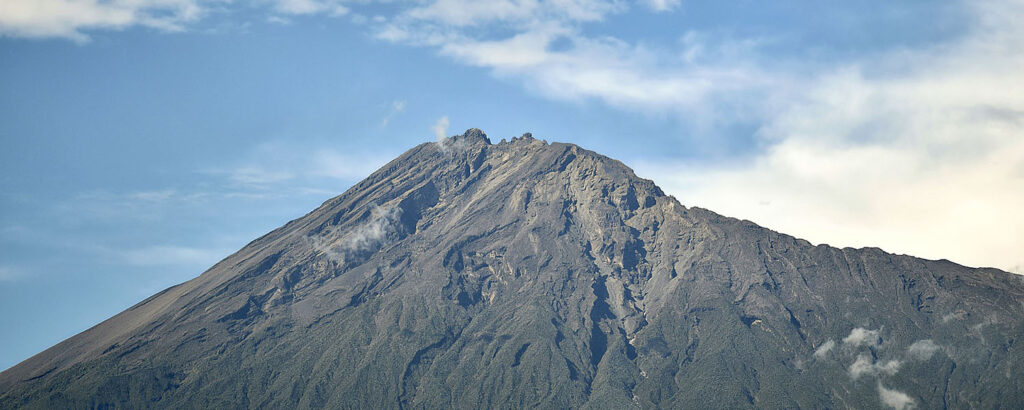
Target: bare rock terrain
<point>466,274</point>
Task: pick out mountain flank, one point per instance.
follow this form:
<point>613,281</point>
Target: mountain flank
<point>466,274</point>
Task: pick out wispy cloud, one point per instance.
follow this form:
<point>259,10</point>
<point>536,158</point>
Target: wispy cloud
<point>627,76</point>
<point>916,151</point>
<point>69,18</point>
<point>922,349</point>
<point>171,255</point>
<point>342,245</point>
<point>865,365</point>
<point>870,362</point>
<point>280,164</point>
<point>334,164</point>
<point>397,107</point>
<point>333,8</point>
<point>107,204</point>
<point>462,13</point>
<point>440,128</point>
<point>257,175</point>
<point>895,399</point>
<point>72,19</point>
<point>823,350</point>
<point>861,336</point>
<point>275,19</point>
<point>9,274</point>
<point>708,79</point>
<point>663,5</point>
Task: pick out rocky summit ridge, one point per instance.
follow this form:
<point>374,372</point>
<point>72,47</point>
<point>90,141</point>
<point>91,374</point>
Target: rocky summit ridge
<point>468,274</point>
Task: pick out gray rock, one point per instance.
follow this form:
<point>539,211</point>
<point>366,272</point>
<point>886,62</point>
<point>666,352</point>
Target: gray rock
<point>525,274</point>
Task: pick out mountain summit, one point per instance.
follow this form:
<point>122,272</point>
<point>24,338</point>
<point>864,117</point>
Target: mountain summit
<point>468,274</point>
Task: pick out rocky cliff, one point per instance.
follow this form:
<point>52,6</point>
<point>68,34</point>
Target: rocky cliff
<point>525,274</point>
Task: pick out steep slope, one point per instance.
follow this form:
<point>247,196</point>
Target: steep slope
<point>525,274</point>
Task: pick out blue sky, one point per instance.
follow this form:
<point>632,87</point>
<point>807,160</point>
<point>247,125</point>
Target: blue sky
<point>144,140</point>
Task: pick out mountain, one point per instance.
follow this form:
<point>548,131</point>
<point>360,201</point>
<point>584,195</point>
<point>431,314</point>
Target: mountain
<point>468,274</point>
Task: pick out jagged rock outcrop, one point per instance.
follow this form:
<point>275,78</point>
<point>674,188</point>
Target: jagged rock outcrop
<point>525,274</point>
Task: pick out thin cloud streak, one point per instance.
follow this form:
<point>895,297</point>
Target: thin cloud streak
<point>279,165</point>
<point>171,255</point>
<point>69,18</point>
<point>333,8</point>
<point>72,19</point>
<point>397,107</point>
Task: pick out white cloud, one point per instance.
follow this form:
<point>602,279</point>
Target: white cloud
<point>279,20</point>
<point>397,107</point>
<point>861,336</point>
<point>272,164</point>
<point>333,164</point>
<point>258,175</point>
<point>440,128</point>
<point>823,350</point>
<point>922,349</point>
<point>866,366</point>
<point>71,19</point>
<point>895,399</point>
<point>637,78</point>
<point>341,245</point>
<point>462,13</point>
<point>332,8</point>
<point>915,151</point>
<point>373,232</point>
<point>663,5</point>
<point>68,18</point>
<point>706,78</point>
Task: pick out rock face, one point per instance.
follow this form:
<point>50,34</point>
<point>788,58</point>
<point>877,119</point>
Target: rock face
<point>524,274</point>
